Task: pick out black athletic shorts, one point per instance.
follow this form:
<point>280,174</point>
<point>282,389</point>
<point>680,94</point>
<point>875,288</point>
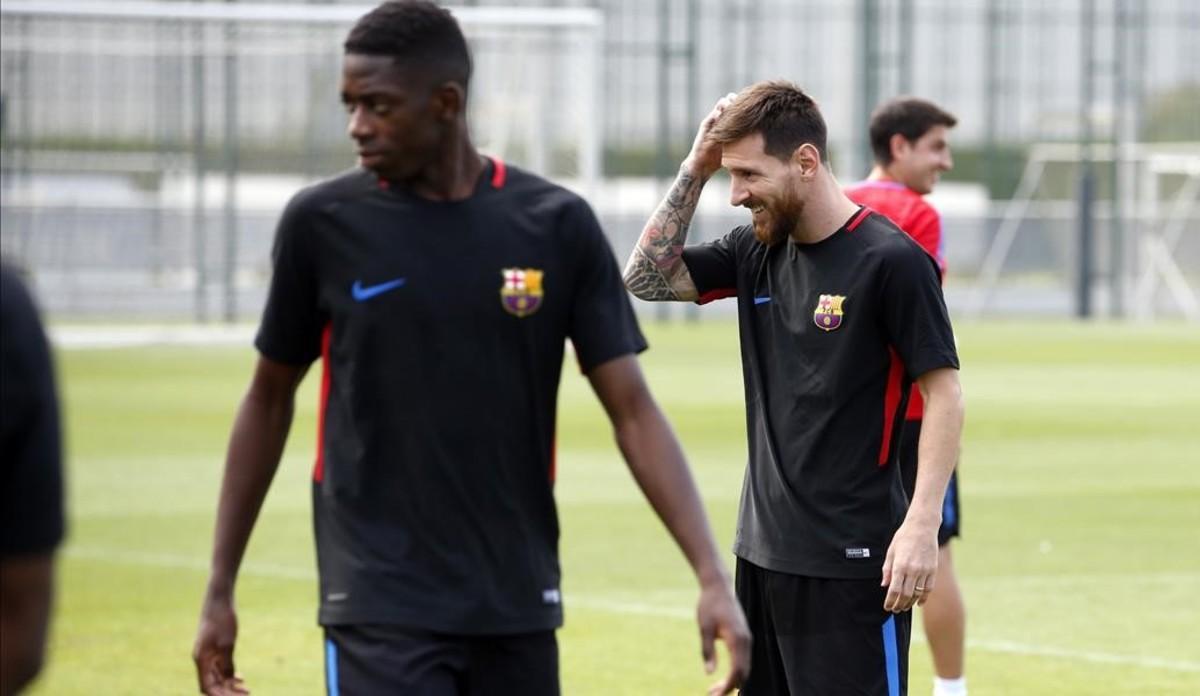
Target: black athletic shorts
<point>821,635</point>
<point>383,659</point>
<point>951,515</point>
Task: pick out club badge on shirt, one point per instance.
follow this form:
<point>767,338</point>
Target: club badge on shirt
<point>828,314</point>
<point>521,291</point>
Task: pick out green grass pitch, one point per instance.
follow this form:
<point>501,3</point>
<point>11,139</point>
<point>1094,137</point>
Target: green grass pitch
<point>1080,479</point>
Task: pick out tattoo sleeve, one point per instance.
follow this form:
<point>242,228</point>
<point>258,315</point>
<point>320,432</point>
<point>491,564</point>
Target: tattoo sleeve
<point>655,270</point>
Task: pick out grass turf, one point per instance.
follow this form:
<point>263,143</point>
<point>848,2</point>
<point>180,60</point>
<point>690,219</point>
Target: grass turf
<point>1079,477</point>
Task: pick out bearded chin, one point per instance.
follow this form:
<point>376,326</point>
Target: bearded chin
<point>771,229</point>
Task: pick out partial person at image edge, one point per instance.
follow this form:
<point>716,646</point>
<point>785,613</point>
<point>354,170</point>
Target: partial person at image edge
<point>31,485</point>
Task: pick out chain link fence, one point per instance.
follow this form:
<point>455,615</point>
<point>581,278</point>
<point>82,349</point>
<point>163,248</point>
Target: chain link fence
<point>149,147</point>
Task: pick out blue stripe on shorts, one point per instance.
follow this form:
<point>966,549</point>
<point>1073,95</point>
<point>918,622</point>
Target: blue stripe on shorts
<point>948,516</point>
<point>331,675</point>
<point>891,656</point>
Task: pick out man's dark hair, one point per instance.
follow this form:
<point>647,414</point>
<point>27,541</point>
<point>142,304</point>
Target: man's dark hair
<point>907,116</point>
<point>781,111</point>
<point>415,33</point>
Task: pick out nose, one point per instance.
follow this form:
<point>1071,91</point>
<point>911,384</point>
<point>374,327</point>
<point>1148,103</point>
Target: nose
<point>737,192</point>
<point>947,162</point>
<point>359,126</point>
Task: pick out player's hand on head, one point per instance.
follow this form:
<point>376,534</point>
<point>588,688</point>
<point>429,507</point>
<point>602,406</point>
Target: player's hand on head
<point>705,157</point>
<point>213,651</point>
<point>721,619</point>
<point>910,566</point>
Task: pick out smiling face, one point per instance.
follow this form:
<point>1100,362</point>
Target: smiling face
<point>770,188</point>
<point>919,164</point>
<point>398,121</point>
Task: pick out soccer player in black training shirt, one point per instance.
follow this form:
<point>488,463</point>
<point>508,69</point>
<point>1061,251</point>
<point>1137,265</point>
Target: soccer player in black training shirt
<point>839,311</point>
<point>31,485</point>
<point>438,288</point>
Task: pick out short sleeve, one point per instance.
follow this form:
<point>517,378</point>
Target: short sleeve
<point>31,479</point>
<point>915,311</point>
<point>713,266</point>
<point>292,321</point>
<point>603,325</point>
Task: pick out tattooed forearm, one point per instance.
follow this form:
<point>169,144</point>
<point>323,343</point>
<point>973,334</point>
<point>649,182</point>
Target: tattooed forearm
<point>656,270</point>
<point>645,280</point>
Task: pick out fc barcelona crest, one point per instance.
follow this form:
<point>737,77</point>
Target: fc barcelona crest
<point>828,314</point>
<point>521,292</point>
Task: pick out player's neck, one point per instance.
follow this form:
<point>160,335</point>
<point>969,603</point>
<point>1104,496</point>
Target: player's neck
<point>453,177</point>
<point>825,212</point>
<point>881,173</point>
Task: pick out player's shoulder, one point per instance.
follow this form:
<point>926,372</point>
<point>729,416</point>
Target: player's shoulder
<point>526,188</point>
<point>920,207</point>
<point>543,207</point>
<point>16,302</point>
<point>24,345</point>
<point>339,188</point>
<point>880,235</point>
<point>889,197</point>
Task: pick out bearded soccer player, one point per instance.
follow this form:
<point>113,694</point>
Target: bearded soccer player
<point>438,288</point>
<point>839,312</point>
<point>910,141</point>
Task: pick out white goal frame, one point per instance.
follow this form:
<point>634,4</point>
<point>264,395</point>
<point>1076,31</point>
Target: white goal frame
<point>1156,233</point>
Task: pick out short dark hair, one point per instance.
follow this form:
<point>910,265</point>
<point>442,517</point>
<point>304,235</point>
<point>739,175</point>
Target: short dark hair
<point>414,33</point>
<point>907,116</point>
<point>779,110</point>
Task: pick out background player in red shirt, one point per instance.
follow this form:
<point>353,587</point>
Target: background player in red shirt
<point>909,141</point>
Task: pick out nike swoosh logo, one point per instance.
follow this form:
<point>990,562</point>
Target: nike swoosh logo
<point>362,294</point>
<point>761,300</point>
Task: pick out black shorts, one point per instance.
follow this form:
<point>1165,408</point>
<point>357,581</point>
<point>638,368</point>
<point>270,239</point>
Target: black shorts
<point>951,514</point>
<point>821,635</point>
<point>382,659</point>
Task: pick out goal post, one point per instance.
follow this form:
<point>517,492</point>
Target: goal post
<point>1155,216</point>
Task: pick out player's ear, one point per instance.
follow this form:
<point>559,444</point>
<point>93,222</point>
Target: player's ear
<point>899,145</point>
<point>449,100</point>
<point>806,159</point>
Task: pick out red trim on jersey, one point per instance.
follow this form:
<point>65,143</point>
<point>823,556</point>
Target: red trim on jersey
<point>323,405</point>
<point>858,218</point>
<point>498,172</point>
<point>891,402</point>
<point>554,459</point>
<point>716,294</point>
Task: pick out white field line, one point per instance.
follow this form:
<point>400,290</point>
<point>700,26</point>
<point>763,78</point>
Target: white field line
<point>109,336</point>
<point>1013,647</point>
<point>1123,579</point>
<point>273,571</point>
<point>600,603</point>
<point>82,337</point>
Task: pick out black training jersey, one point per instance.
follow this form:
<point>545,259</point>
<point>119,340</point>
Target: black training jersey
<point>31,477</point>
<point>441,327</point>
<point>832,335</point>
